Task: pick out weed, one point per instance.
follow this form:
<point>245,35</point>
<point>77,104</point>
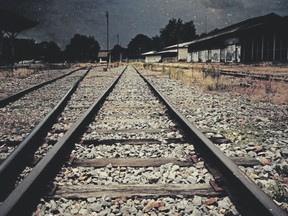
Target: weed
<point>279,192</point>
<point>282,170</point>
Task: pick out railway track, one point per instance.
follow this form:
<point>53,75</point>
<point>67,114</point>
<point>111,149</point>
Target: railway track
<point>27,108</point>
<point>133,153</point>
<point>17,147</point>
<point>21,93</point>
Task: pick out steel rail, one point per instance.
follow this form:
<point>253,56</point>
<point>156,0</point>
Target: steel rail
<point>16,96</point>
<point>255,76</point>
<point>31,188</point>
<point>19,158</point>
<point>250,199</point>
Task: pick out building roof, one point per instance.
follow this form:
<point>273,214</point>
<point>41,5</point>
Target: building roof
<point>149,53</point>
<point>180,45</point>
<point>240,27</point>
<point>168,51</point>
<point>11,22</point>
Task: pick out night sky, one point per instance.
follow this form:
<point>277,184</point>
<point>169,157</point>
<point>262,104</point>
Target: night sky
<point>59,20</point>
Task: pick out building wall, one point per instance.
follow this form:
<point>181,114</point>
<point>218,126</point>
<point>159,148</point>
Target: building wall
<point>203,55</point>
<point>214,55</point>
<point>182,54</point>
<point>265,47</point>
<point>194,56</point>
<point>169,59</point>
<point>230,53</point>
<point>189,57</point>
<point>152,59</point>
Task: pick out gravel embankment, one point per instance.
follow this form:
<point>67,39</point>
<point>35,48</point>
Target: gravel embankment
<point>18,118</point>
<point>89,90</point>
<point>255,129</point>
<point>13,82</point>
<point>129,108</point>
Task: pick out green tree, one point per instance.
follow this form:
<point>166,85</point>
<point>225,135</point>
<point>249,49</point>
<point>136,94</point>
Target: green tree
<point>50,51</point>
<point>82,48</point>
<point>118,51</point>
<point>177,32</point>
<point>156,43</point>
<point>25,49</point>
<point>140,44</point>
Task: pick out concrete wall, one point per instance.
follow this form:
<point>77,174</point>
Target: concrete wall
<point>169,59</point>
<point>152,59</point>
<point>182,54</point>
<point>189,57</point>
<point>214,55</point>
<point>231,53</point>
<point>203,56</point>
<point>195,56</point>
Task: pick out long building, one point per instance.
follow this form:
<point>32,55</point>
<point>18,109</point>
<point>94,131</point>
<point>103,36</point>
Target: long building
<point>259,39</point>
<point>263,38</point>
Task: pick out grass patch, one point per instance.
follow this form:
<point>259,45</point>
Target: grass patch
<point>207,76</point>
<point>19,73</point>
<point>272,91</point>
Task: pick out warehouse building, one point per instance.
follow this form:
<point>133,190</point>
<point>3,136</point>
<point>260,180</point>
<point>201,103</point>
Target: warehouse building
<point>175,53</point>
<point>259,39</point>
<point>263,38</point>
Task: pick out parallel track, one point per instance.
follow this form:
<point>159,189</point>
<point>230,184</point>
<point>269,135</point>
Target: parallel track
<point>248,198</point>
<point>8,99</point>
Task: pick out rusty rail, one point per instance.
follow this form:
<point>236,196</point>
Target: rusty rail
<point>18,159</point>
<point>250,199</point>
<point>33,185</point>
<point>16,96</point>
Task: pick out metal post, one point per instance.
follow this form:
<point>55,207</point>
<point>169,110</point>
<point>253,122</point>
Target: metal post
<point>13,45</point>
<point>274,47</point>
<point>262,49</point>
<point>107,16</point>
<point>118,42</point>
<point>287,51</point>
<point>280,50</point>
<point>252,50</point>
<point>1,42</point>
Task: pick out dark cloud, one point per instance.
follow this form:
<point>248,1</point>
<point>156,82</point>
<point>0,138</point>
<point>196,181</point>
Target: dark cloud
<point>59,20</point>
<point>223,4</point>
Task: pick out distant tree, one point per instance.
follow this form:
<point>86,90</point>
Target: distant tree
<point>188,32</point>
<point>82,48</point>
<point>118,51</point>
<point>177,32</point>
<point>140,44</point>
<point>208,33</point>
<point>156,43</point>
<point>50,51</point>
<point>24,49</point>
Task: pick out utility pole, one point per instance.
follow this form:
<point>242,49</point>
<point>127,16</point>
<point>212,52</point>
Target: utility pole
<point>107,16</point>
<point>118,42</point>
<point>205,22</point>
<point>1,42</point>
